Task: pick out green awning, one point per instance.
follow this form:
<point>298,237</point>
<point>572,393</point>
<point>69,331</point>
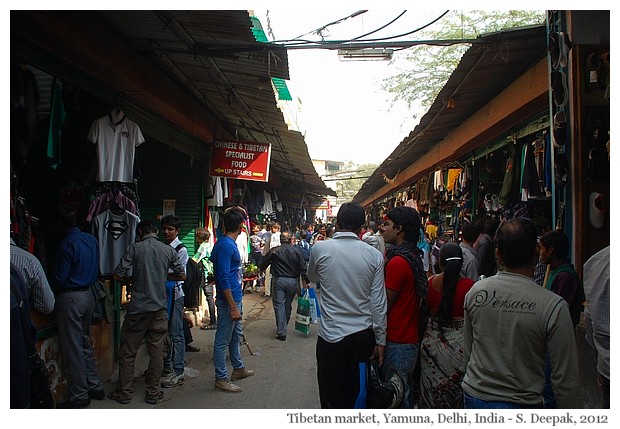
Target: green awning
<point>278,83</point>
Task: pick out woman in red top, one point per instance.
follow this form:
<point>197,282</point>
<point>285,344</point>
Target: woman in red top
<point>441,354</point>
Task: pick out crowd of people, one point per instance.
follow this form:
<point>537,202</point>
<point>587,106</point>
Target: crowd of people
<point>463,324</point>
<point>432,311</point>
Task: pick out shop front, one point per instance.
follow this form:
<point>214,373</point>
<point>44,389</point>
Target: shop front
<point>533,145</point>
<point>514,132</point>
<point>116,113</point>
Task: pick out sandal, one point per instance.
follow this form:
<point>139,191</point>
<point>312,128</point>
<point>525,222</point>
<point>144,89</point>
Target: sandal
<point>207,327</point>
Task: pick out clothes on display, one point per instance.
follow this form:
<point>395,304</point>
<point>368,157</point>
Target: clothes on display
<point>115,230</point>
<point>110,199</point>
<point>117,138</point>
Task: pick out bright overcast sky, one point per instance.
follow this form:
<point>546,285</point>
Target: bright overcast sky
<point>344,113</point>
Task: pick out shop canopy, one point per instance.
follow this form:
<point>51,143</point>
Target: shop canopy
<point>485,70</point>
<point>187,77</point>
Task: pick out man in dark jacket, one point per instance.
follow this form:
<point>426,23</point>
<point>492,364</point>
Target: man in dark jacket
<point>76,269</point>
<point>287,265</point>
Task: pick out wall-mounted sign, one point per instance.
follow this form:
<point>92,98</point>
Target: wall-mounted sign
<point>323,205</point>
<point>289,197</point>
<point>169,207</point>
<point>245,160</point>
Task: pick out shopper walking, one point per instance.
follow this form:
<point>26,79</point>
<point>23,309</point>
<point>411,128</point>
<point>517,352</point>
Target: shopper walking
<point>287,267</point>
<point>353,309</point>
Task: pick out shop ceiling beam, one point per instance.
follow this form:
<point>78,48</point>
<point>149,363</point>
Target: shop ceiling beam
<point>526,96</point>
<point>77,38</point>
<point>180,32</point>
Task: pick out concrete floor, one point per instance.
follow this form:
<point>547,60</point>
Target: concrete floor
<point>285,376</point>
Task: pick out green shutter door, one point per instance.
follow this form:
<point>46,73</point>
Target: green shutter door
<point>170,174</point>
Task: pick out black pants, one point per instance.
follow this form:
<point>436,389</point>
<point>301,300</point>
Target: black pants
<point>187,332</point>
<point>338,370</point>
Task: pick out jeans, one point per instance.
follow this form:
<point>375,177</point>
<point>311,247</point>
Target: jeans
<point>176,356</point>
<point>475,403</point>
<point>284,291</point>
<point>403,357</point>
<point>208,290</point>
<point>227,337</point>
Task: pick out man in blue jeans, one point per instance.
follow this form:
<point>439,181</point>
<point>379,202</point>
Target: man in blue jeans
<point>403,269</point>
<point>227,269</point>
<point>174,361</point>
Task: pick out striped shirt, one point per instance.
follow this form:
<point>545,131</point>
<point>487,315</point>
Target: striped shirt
<point>39,291</point>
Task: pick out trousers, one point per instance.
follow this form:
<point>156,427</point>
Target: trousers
<point>153,327</point>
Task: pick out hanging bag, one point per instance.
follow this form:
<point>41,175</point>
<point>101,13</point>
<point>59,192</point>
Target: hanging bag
<point>302,318</point>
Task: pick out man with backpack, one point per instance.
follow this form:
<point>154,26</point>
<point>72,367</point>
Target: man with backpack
<point>145,265</point>
<point>174,361</point>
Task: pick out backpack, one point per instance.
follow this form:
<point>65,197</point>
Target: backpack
<point>305,252</point>
<point>194,280</point>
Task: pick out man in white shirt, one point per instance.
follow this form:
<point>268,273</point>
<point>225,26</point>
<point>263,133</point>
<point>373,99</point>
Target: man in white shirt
<point>272,239</point>
<point>174,361</point>
<point>353,309</point>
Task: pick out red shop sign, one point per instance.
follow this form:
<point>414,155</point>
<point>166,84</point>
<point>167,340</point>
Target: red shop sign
<point>245,160</point>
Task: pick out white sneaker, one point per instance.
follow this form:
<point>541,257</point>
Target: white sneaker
<point>173,380</point>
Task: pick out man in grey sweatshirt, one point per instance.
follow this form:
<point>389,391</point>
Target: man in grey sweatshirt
<point>511,323</point>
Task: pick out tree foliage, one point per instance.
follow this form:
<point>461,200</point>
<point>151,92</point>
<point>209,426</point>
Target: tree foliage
<point>354,176</point>
<point>424,69</point>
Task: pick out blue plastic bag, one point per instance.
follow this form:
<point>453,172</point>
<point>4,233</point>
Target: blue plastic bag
<point>170,284</point>
<point>315,311</point>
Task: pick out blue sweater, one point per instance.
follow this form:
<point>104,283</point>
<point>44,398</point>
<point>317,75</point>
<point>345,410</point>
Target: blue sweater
<point>227,268</point>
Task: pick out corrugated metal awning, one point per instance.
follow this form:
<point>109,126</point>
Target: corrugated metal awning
<point>483,72</point>
<point>192,68</point>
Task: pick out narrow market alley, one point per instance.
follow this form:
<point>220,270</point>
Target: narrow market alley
<point>285,375</point>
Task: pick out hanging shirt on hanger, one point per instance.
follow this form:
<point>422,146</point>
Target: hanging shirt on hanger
<point>218,193</point>
<point>116,138</point>
<point>102,203</point>
<point>453,176</point>
<point>115,231</point>
<point>438,181</point>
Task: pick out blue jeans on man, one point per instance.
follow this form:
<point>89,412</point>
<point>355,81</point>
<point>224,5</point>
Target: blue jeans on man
<point>403,357</point>
<point>175,359</point>
<point>227,338</point>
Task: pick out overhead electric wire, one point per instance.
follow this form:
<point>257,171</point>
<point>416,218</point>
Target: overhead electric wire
<point>318,30</point>
<point>382,27</point>
<point>303,42</point>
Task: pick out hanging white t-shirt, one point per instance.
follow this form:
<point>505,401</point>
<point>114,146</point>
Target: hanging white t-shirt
<point>242,245</point>
<point>115,232</point>
<point>116,148</point>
